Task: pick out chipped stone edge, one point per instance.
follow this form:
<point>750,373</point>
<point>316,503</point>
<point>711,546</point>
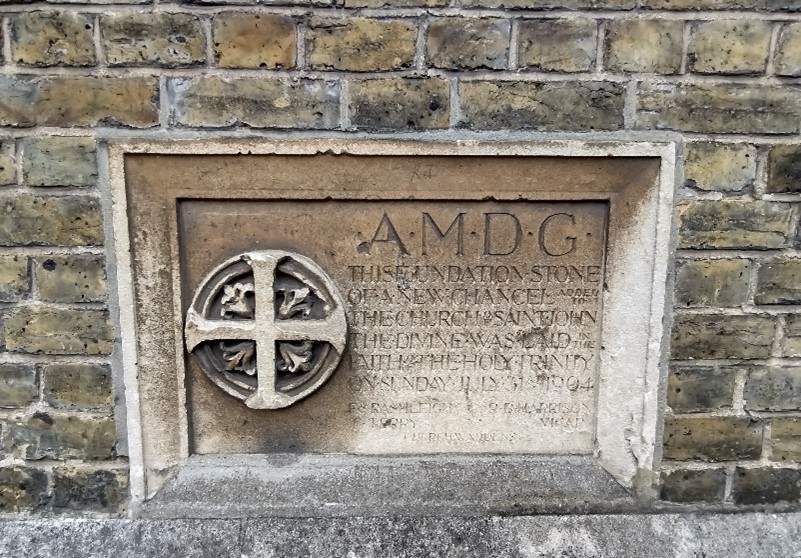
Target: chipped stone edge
<point>631,463</point>
<point>127,320</point>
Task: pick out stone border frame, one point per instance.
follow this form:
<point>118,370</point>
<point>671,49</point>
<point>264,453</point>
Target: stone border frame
<point>629,412</point>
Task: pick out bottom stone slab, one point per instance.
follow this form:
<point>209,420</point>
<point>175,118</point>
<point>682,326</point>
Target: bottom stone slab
<point>624,536</point>
<point>292,485</point>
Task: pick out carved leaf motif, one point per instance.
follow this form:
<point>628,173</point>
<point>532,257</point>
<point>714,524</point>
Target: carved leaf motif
<point>296,301</point>
<point>236,301</point>
<point>295,359</point>
<point>240,357</point>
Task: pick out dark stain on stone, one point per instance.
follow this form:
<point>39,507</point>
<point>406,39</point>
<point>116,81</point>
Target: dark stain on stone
<point>45,418</point>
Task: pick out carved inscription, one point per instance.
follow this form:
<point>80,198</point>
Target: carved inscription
<point>475,326</point>
<point>472,326</point>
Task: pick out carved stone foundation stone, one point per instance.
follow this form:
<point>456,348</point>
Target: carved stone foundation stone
<point>328,327</point>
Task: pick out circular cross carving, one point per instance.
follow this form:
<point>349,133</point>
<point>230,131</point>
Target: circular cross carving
<point>267,327</point>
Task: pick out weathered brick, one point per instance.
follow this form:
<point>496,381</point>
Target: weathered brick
<point>776,388</point>
<point>719,108</point>
<point>361,45</point>
<point>14,283</point>
<point>545,106</point>
<point>791,345</point>
<point>18,386</point>
<point>719,167</point>
<point>259,103</point>
<point>785,439</point>
<point>27,220</point>
<point>78,101</point>
<point>550,4</point>
<point>85,387</point>
<point>693,389</point>
<point>71,279</point>
<point>712,336</point>
<point>457,43</point>
<point>85,489</point>
<point>712,438</point>
<point>8,166</point>
<point>756,225</point>
<point>59,331</point>
<point>52,39</point>
<point>558,45</point>
<point>687,486</point>
<point>787,61</point>
<point>729,47</point>
<point>153,39</point>
<point>22,489</point>
<point>784,169</point>
<point>59,161</point>
<point>712,282</point>
<point>771,5</point>
<point>779,282</point>
<point>399,103</point>
<point>247,40</point>
<point>44,436</point>
<point>396,3</point>
<point>766,485</point>
<point>644,45</point>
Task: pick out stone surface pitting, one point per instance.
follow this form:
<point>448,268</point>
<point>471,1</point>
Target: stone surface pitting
<point>719,167</point>
<point>468,43</point>
<point>784,168</point>
<point>558,45</point>
<point>693,389</point>
<point>52,39</point>
<point>732,108</point>
<point>360,44</point>
<point>18,385</point>
<point>59,161</point>
<point>78,101</point>
<point>148,39</point>
<point>594,536</point>
<point>71,279</point>
<point>393,103</point>
<point>644,45</point>
<point>688,486</point>
<point>729,47</point>
<point>76,386</point>
<point>254,41</point>
<point>14,278</point>
<point>719,283</point>
<point>216,102</point>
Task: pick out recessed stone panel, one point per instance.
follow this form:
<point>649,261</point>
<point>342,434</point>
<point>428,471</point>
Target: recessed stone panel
<point>353,310</point>
<point>472,326</point>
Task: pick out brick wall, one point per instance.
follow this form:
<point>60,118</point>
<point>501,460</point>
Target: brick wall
<point>722,77</point>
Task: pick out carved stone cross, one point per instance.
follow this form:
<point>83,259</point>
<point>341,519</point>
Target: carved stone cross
<point>267,329</point>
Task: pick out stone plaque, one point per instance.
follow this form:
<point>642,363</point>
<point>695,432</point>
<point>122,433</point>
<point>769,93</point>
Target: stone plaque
<point>473,326</point>
<point>308,323</point>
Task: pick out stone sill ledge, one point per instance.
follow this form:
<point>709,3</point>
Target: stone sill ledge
<point>656,536</point>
